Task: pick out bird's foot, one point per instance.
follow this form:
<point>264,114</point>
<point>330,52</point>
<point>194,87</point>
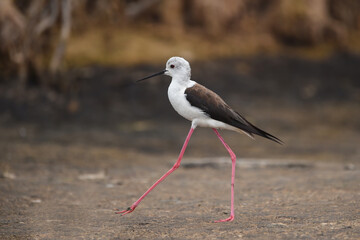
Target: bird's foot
<point>229,219</point>
<point>128,210</point>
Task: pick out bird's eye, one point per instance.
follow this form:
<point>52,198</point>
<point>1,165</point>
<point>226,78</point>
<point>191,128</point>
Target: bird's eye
<point>172,65</point>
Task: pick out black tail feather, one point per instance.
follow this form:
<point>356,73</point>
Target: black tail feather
<point>264,134</point>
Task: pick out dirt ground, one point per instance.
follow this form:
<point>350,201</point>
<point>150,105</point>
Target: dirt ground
<point>62,174</point>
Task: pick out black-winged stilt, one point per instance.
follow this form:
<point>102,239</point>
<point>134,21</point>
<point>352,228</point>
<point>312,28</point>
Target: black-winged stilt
<point>203,108</point>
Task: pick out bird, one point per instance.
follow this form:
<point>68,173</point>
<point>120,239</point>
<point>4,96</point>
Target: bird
<point>204,108</point>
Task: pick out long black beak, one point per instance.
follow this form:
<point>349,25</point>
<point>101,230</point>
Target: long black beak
<point>156,74</point>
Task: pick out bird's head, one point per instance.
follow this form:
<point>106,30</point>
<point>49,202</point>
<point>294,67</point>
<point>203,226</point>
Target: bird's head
<point>176,67</point>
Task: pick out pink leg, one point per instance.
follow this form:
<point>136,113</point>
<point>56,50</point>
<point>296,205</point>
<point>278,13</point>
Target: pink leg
<point>233,162</point>
<point>176,165</point>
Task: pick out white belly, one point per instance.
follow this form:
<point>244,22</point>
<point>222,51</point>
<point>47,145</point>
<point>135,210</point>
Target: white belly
<point>177,98</point>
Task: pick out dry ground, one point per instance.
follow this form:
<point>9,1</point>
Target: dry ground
<point>60,191</point>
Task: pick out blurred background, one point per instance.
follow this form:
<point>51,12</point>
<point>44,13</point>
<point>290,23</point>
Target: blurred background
<point>291,67</point>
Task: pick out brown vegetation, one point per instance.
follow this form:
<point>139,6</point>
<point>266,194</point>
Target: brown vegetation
<point>34,34</point>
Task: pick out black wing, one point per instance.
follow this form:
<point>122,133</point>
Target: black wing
<point>209,102</point>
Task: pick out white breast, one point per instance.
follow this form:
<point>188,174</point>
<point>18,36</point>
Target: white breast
<point>177,98</point>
